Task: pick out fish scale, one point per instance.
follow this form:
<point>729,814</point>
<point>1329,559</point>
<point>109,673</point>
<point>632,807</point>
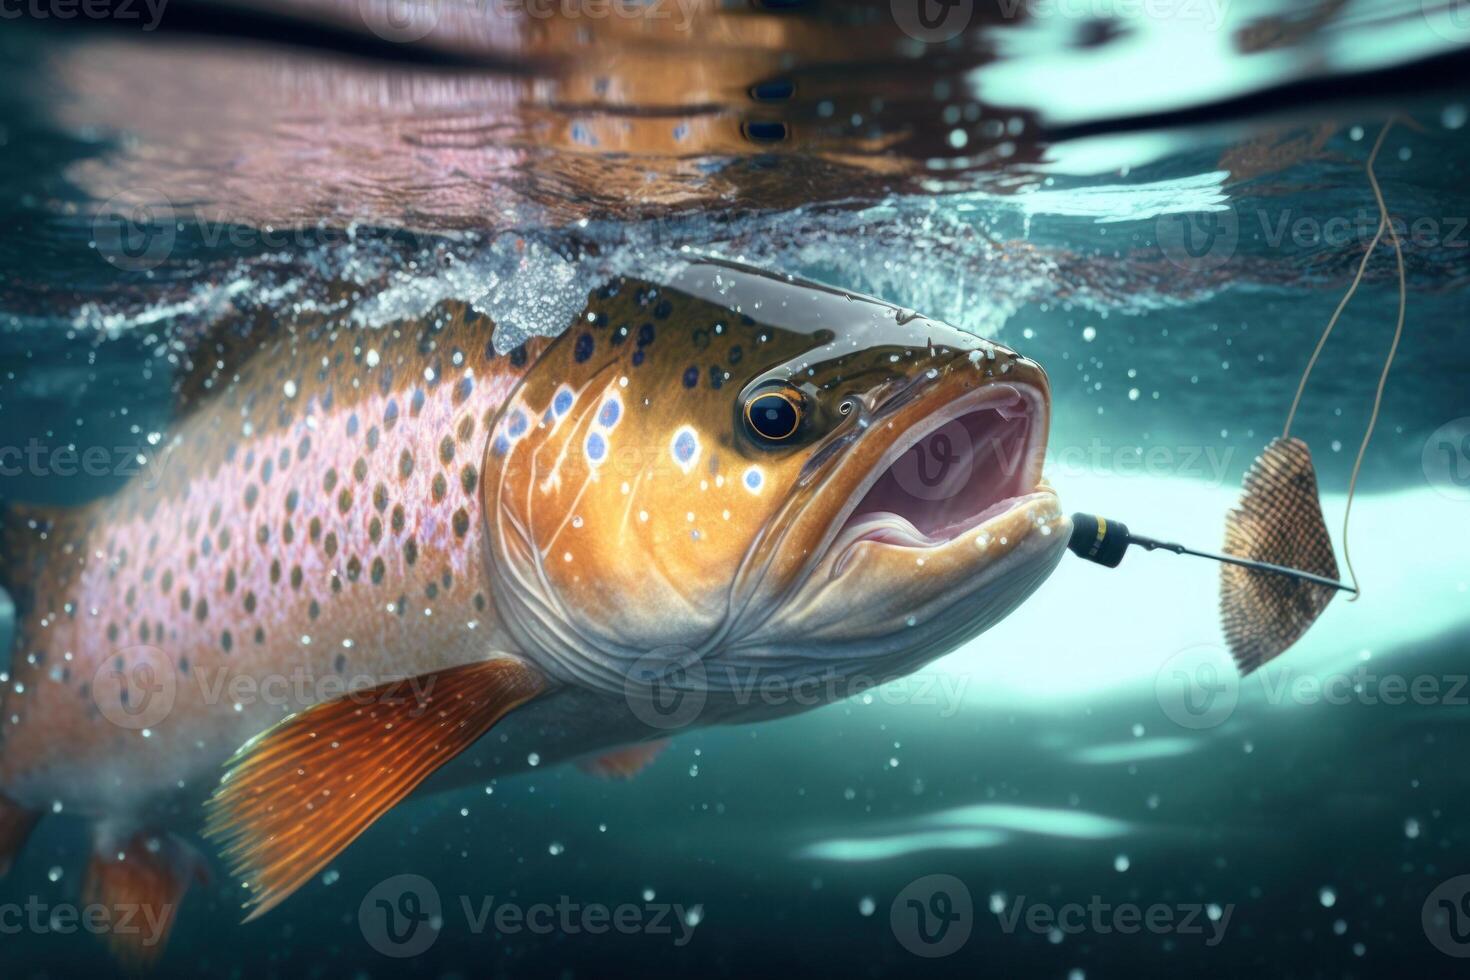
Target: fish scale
<point>308,525</point>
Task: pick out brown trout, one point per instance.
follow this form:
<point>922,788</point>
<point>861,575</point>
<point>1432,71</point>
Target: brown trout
<point>364,548</point>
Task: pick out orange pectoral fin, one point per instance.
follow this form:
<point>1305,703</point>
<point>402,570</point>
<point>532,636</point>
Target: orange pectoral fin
<point>294,797</point>
<point>623,763</point>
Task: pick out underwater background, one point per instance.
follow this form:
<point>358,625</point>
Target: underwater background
<point>1162,204</point>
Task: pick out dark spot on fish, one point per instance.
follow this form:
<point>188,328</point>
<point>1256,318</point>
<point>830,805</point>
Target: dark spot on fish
<point>251,493</point>
<point>224,539</point>
<point>259,635</point>
<point>288,533</point>
<point>663,309</point>
<point>275,571</point>
<point>372,438</point>
<point>292,499</point>
<point>375,530</point>
<point>230,581</point>
<point>463,388</point>
<point>716,377</point>
<point>467,478</point>
<point>390,415</point>
<point>637,358</point>
<point>410,551</point>
<point>405,464</point>
<point>439,487</point>
<point>201,610</point>
<point>736,353</point>
<point>416,403</point>
<point>352,424</point>
<point>226,641</point>
<point>431,590</point>
<point>339,663</point>
<point>329,482</point>
<point>691,376</point>
<point>166,583</point>
<point>184,600</point>
<point>250,602</point>
<point>354,569</point>
<point>344,500</point>
<point>461,522</point>
<point>214,516</point>
<point>303,447</point>
<point>583,348</point>
<point>262,534</point>
<point>620,334</point>
<point>314,529</point>
<point>377,570</point>
<point>296,576</point>
<point>267,470</point>
<point>518,356</point>
<point>359,470</point>
<point>479,602</point>
<point>330,544</point>
<point>398,518</point>
<point>446,450</point>
<point>645,335</point>
<point>313,610</point>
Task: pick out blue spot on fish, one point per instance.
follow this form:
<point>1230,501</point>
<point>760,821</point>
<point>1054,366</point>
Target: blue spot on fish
<point>518,424</point>
<point>685,447</point>
<point>596,447</point>
<point>561,402</point>
<point>691,377</point>
<point>611,412</point>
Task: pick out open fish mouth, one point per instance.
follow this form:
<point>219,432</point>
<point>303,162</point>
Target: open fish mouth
<point>958,472</point>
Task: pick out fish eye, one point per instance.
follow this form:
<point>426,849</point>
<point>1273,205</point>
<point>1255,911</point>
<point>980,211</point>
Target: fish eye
<point>774,415</point>
<point>846,407</point>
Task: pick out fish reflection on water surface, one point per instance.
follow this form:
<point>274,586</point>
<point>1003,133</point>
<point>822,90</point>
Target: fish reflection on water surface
<point>713,485</point>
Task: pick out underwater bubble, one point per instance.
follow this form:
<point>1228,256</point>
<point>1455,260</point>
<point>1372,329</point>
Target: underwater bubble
<point>1328,897</point>
<point>1121,863</point>
<point>1089,334</point>
<point>1411,828</point>
<point>555,849</point>
<point>866,906</point>
<point>1453,116</point>
<point>331,877</point>
<point>997,902</point>
<point>648,894</point>
<point>54,874</point>
<point>533,759</point>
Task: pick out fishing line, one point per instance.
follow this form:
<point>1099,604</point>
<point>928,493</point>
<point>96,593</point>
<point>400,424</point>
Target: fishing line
<point>1277,529</point>
<point>1385,224</point>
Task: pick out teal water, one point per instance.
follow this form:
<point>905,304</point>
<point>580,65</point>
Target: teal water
<point>1104,796</point>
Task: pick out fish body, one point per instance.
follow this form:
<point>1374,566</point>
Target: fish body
<point>363,548</point>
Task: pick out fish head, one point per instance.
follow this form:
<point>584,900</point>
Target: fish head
<point>764,476</point>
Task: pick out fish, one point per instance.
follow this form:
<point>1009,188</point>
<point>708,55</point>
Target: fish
<point>361,549</point>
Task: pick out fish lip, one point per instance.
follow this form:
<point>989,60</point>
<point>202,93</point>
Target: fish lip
<point>844,534</point>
